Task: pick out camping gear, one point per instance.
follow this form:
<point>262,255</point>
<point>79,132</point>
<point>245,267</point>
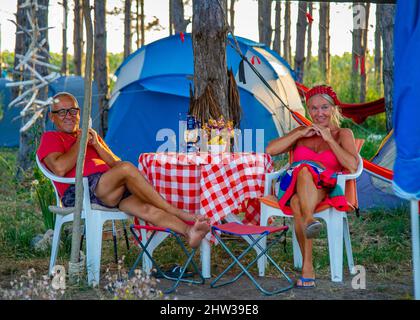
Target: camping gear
<point>256,234</point>
<point>139,230</point>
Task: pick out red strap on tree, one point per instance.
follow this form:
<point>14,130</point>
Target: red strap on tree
<point>182,36</point>
<point>356,65</point>
<point>309,17</point>
<point>362,66</point>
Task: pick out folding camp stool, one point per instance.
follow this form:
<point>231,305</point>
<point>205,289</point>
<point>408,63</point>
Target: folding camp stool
<point>189,255</point>
<point>255,234</point>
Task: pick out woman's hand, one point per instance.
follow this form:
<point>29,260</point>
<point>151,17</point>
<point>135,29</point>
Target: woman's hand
<point>325,133</point>
<point>308,131</point>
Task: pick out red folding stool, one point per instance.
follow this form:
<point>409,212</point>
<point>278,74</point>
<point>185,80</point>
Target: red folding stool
<point>255,234</point>
<point>144,244</point>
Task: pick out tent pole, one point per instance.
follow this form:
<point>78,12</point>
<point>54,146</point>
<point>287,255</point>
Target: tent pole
<point>416,247</point>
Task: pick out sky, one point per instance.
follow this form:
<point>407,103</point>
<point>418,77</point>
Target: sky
<point>341,24</point>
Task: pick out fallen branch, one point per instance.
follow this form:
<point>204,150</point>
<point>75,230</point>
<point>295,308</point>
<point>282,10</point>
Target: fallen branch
<point>44,64</point>
<point>32,121</point>
<point>29,104</point>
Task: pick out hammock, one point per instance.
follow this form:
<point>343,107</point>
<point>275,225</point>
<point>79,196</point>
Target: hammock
<point>358,112</point>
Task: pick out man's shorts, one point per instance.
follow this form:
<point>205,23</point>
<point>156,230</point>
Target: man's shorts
<point>69,197</point>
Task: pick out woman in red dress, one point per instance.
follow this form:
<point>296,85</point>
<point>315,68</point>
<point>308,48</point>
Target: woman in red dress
<point>318,149</point>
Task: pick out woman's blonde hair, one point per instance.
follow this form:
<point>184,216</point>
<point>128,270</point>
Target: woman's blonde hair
<point>336,116</point>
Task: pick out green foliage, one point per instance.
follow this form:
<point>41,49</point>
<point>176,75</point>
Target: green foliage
<point>341,80</point>
<point>382,240</point>
<point>19,221</point>
<point>45,195</point>
<point>8,59</point>
<point>114,60</point>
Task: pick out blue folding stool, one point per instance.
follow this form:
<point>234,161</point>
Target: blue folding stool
<point>255,234</point>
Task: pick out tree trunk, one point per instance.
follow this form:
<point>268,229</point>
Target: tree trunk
<point>287,49</point>
<point>309,47</point>
<point>264,21</point>
<point>209,33</point>
<point>363,76</point>
<point>29,139</point>
<point>22,43</point>
<point>127,28</point>
<point>324,41</point>
<point>138,41</point>
<point>387,31</point>
<point>75,244</point>
<point>378,52</point>
<point>277,29</point>
<point>232,15</point>
<point>356,52</point>
<point>179,23</point>
<point>78,38</point>
<point>142,28</point>
<point>300,41</point>
<point>64,49</point>
<point>101,63</point>
<point>171,18</point>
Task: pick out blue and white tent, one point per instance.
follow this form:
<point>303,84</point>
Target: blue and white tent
<point>152,90</point>
<point>9,128</point>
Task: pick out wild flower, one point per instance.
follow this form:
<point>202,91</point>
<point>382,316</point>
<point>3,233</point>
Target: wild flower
<point>28,287</point>
<point>140,286</point>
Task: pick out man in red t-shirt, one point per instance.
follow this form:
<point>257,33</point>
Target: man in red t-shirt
<point>112,182</point>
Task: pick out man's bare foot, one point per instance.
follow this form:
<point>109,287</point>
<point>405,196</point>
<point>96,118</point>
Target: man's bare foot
<point>197,232</point>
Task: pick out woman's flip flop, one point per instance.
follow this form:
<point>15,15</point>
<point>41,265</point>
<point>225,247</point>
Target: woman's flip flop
<point>306,280</point>
<point>313,229</point>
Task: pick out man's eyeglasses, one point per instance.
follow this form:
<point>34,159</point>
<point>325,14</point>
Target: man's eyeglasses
<point>62,113</point>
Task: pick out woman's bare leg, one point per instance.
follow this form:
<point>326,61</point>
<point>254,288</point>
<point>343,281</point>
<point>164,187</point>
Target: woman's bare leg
<point>309,195</point>
<point>299,226</point>
<point>160,218</point>
<point>304,243</point>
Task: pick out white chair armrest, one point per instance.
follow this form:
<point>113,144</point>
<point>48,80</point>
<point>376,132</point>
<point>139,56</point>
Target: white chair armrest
<point>270,177</point>
<point>62,179</point>
<point>52,176</point>
<point>342,178</point>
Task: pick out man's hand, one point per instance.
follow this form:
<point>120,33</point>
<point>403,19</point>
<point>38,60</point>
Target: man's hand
<point>93,138</point>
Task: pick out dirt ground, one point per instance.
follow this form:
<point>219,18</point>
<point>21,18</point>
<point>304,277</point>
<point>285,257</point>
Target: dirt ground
<point>377,288</point>
<point>325,289</point>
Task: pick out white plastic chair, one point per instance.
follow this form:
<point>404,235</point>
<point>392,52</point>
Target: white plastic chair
<point>337,227</point>
<point>95,216</point>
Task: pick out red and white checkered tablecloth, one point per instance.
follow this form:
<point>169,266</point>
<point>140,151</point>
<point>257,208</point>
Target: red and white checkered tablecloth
<point>214,184</point>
